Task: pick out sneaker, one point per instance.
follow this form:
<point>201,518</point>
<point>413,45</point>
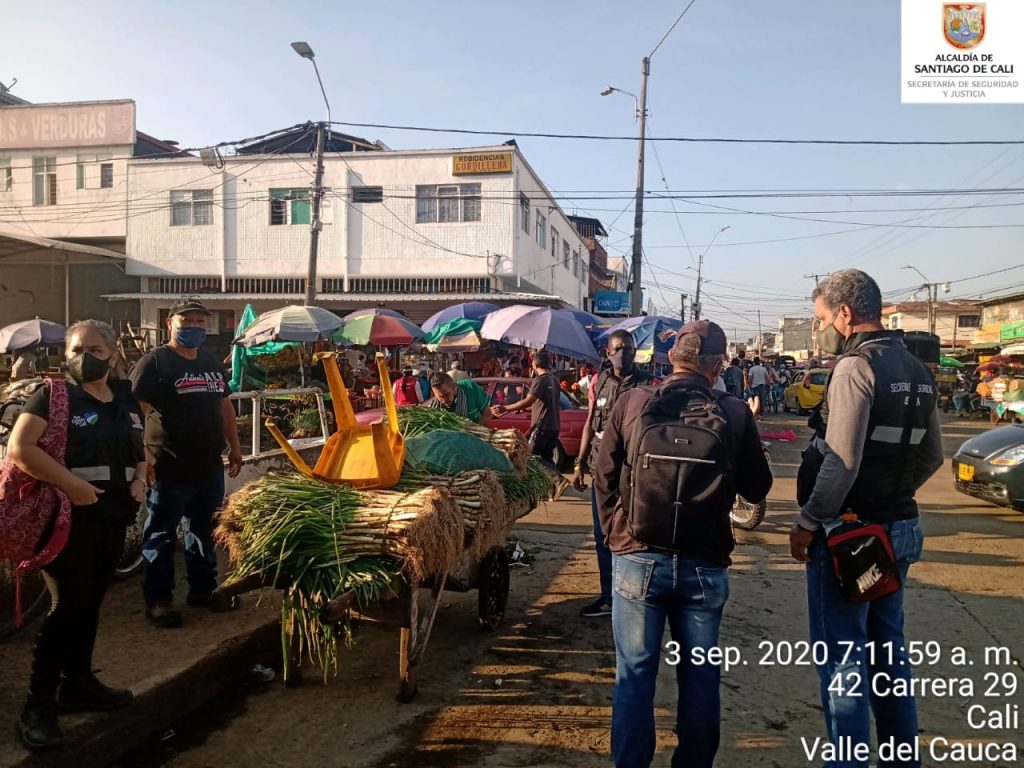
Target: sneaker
<point>37,726</point>
<point>84,693</point>
<point>163,616</point>
<point>599,607</point>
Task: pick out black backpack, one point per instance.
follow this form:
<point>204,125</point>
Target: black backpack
<point>679,473</point>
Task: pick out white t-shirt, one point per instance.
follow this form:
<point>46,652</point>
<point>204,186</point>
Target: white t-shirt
<point>758,376</point>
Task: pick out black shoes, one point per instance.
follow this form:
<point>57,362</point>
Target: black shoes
<point>38,727</point>
<point>597,609</point>
<point>84,693</point>
<point>163,616</point>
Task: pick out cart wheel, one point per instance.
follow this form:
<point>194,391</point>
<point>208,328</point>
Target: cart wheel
<point>492,586</point>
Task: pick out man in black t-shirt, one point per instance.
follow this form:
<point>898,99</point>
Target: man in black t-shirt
<point>184,392</point>
<point>542,400</point>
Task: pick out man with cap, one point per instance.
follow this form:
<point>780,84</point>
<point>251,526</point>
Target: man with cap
<point>681,579</point>
<point>406,388</point>
<point>184,392</point>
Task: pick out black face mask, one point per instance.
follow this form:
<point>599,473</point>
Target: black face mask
<point>622,360</point>
<point>87,367</point>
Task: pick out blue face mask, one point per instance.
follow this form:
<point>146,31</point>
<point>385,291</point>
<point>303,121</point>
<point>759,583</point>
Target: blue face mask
<point>191,337</point>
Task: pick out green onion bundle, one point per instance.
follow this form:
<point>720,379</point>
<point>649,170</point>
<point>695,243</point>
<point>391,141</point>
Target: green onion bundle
<point>535,486</point>
<point>323,539</point>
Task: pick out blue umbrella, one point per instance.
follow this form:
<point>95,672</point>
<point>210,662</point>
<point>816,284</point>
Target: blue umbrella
<point>30,333</point>
<point>540,328</point>
<point>653,335</point>
<point>469,310</point>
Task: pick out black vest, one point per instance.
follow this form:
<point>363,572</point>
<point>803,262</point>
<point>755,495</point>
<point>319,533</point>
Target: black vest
<point>606,392</point>
<point>904,399</point>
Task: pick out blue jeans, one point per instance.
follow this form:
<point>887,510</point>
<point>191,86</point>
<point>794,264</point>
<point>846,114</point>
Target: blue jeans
<point>650,588</point>
<point>837,623</point>
<point>192,504</point>
<point>604,555</point>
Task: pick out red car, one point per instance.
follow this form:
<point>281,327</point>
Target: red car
<point>503,391</point>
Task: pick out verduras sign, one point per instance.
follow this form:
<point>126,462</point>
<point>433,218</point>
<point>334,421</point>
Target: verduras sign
<point>494,162</point>
<point>92,123</point>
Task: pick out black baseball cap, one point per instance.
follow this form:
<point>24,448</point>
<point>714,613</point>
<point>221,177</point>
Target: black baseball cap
<point>187,304</point>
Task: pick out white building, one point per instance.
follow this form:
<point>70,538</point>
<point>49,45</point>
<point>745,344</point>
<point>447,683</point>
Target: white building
<point>413,230</point>
<point>63,192</point>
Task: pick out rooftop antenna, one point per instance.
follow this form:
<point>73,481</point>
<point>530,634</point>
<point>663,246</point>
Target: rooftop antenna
<point>6,88</point>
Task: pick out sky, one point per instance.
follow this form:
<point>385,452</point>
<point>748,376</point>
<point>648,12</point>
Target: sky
<point>202,73</point>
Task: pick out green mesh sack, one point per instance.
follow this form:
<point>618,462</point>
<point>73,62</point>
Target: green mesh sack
<point>445,452</point>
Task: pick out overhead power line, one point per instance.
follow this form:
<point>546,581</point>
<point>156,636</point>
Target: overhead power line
<point>684,139</point>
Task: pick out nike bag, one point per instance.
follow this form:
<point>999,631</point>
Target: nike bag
<point>864,562</point>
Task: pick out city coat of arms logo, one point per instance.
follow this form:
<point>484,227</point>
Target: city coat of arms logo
<point>963,24</point>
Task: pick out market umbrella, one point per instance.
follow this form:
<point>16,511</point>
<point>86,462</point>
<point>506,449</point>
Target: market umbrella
<point>371,310</point>
<point>468,310</point>
<point>30,333</point>
<point>292,323</point>
<point>380,327</point>
<point>455,336</point>
<point>540,327</point>
<point>950,362</point>
<point>238,351</point>
<point>653,335</point>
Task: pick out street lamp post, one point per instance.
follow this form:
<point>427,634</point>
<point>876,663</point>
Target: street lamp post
<point>933,290</point>
<point>696,307</point>
<point>315,223</point>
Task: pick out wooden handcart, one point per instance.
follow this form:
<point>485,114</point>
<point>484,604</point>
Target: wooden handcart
<point>407,606</point>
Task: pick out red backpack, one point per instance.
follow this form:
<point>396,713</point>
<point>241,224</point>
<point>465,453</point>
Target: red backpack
<point>35,517</point>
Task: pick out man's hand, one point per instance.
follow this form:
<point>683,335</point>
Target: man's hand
<point>234,462</point>
<point>578,480</point>
<point>799,541</point>
<point>498,410</point>
<point>150,474</point>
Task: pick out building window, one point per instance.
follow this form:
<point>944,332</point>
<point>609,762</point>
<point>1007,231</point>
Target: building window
<point>44,181</point>
<point>584,271</point>
<point>894,322</point>
<point>447,203</point>
<point>575,263</point>
<point>191,207</point>
<point>968,321</point>
<point>80,174</point>
<point>565,254</point>
<point>367,194</point>
<point>289,206</point>
<point>554,244</point>
<point>524,212</point>
<point>542,230</point>
<point>6,178</point>
<point>106,175</point>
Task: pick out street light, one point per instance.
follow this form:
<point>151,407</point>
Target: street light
<point>700,270</point>
<point>610,89</point>
<point>315,225</point>
<point>933,296</point>
<point>302,48</point>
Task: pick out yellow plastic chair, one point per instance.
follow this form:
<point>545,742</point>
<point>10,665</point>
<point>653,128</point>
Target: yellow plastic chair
<point>360,455</point>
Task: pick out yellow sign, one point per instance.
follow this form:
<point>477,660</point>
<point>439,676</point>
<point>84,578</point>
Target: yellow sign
<point>495,162</point>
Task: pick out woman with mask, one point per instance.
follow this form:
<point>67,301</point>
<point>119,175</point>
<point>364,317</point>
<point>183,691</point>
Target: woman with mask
<point>103,475</point>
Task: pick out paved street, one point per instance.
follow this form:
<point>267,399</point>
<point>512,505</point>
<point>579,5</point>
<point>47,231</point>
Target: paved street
<point>538,691</point>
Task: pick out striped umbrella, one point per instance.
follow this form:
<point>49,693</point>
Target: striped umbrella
<point>380,327</point>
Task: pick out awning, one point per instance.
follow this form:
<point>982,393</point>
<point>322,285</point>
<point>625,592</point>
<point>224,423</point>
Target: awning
<point>1013,349</point>
<point>16,246</point>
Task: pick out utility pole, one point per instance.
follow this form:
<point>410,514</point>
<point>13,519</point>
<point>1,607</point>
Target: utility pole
<point>682,307</point>
<point>636,294</point>
<point>315,225</point>
<point>933,297</point>
<point>696,307</point>
<point>760,334</point>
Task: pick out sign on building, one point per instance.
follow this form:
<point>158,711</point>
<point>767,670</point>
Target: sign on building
<point>611,302</point>
<point>491,162</point>
<point>86,124</point>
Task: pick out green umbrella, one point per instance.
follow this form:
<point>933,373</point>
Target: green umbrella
<point>950,362</point>
<point>457,327</point>
<point>238,353</point>
<point>375,327</point>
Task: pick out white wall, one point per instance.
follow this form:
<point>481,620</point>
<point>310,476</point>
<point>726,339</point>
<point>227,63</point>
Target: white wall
<point>91,212</point>
<point>358,239</point>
